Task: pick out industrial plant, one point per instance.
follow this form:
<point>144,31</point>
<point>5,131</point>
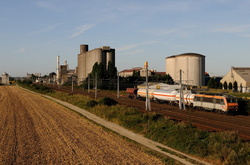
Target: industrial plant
<point>188,67</point>
<point>63,73</point>
<point>87,59</point>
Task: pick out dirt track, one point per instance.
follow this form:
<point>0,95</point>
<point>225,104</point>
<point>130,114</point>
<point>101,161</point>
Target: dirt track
<point>34,130</point>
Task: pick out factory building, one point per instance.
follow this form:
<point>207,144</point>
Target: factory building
<point>129,72</point>
<point>63,73</point>
<point>87,59</point>
<point>240,75</point>
<point>191,65</point>
<point>5,78</point>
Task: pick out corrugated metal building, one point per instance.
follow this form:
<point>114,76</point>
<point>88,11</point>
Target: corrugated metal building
<point>192,66</point>
<point>87,59</point>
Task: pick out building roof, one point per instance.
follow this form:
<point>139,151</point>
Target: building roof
<point>243,72</point>
<point>133,69</point>
<point>160,73</point>
<point>187,54</point>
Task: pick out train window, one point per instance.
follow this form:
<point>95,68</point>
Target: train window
<point>197,98</point>
<point>205,99</point>
<point>222,102</point>
<point>217,101</point>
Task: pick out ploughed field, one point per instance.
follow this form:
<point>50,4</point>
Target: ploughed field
<point>205,120</point>
<point>35,130</point>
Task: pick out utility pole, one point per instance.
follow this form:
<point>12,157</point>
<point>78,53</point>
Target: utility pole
<point>118,85</point>
<point>72,87</point>
<point>181,102</point>
<point>148,107</point>
<point>95,85</point>
<point>88,84</point>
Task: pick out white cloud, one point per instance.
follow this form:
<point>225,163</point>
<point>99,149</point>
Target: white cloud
<point>49,28</point>
<point>43,4</point>
<point>81,29</point>
<point>128,47</point>
<point>20,50</point>
<point>246,35</point>
<point>134,52</point>
<point>160,32</point>
<point>233,29</point>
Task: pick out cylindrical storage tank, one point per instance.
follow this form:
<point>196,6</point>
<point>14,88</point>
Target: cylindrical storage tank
<point>170,66</point>
<point>165,95</point>
<point>192,66</point>
<point>142,93</point>
<point>92,57</point>
<point>110,57</point>
<point>189,98</point>
<point>84,48</point>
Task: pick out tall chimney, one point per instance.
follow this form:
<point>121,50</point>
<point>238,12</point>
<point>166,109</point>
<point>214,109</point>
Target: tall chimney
<point>57,69</point>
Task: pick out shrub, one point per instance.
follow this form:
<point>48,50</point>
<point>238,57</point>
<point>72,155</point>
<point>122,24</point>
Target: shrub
<point>91,103</point>
<point>107,101</point>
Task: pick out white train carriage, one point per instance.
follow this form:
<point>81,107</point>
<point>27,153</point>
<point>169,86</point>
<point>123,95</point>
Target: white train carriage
<point>165,95</point>
<point>141,93</point>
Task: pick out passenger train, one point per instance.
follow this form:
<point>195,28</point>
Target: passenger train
<point>211,102</point>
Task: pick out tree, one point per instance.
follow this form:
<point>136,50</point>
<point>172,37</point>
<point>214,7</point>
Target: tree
<point>99,70</point>
<point>112,70</point>
<point>225,85</point>
<point>169,79</point>
<point>94,70</point>
<point>136,73</point>
<point>211,82</point>
<point>235,86</point>
<point>216,84</point>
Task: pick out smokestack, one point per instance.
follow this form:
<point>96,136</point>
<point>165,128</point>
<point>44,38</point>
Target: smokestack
<point>57,69</point>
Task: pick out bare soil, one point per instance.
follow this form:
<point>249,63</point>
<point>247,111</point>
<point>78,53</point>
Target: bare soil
<point>35,130</point>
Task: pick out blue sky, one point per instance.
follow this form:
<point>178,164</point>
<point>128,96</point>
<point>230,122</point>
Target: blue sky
<point>34,32</point>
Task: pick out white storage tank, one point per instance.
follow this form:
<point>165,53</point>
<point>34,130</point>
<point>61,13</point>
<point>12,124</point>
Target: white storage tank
<point>165,95</point>
<point>192,66</point>
<point>170,66</point>
<point>142,93</point>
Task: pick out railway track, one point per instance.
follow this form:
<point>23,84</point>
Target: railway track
<point>201,119</point>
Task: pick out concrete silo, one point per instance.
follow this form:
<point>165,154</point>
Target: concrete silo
<point>5,78</point>
<point>92,57</point>
<point>87,59</point>
<point>192,66</point>
<point>110,57</point>
<point>170,66</point>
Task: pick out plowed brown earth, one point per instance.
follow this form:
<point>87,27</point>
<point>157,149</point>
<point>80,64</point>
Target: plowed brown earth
<point>34,130</point>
